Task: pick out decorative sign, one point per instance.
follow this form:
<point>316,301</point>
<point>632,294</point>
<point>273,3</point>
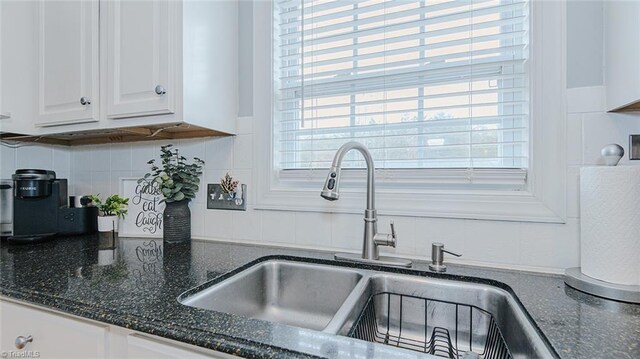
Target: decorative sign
<point>144,218</point>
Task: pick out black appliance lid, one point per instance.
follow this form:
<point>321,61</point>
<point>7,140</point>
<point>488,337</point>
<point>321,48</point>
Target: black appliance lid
<point>34,174</point>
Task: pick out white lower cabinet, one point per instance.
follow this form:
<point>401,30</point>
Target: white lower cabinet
<point>143,347</point>
<point>50,334</point>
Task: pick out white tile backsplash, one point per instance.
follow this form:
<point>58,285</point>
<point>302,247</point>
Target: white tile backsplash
<point>278,226</point>
<point>219,152</point>
<point>121,157</point>
<point>36,156</point>
<point>347,231</point>
<point>313,229</point>
<point>548,247</point>
<point>243,151</point>
<point>453,232</point>
<point>247,225</point>
<point>7,161</point>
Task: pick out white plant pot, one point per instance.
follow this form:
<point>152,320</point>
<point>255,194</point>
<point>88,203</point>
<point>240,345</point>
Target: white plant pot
<point>107,223</point>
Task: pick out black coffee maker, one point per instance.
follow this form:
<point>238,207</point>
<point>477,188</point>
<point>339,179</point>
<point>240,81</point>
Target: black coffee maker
<point>41,208</point>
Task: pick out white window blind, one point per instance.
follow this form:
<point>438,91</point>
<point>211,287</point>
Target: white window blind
<point>423,84</point>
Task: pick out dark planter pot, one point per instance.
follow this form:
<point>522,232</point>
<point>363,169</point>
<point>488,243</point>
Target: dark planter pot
<point>177,222</point>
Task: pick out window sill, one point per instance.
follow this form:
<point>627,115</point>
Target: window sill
<point>486,205</point>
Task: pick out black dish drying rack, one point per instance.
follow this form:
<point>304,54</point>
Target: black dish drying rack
<point>437,327</point>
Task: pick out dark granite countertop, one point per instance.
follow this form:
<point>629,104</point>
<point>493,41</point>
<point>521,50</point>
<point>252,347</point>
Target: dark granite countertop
<point>134,283</point>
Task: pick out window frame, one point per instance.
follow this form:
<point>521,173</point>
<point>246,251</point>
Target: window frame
<point>541,199</point>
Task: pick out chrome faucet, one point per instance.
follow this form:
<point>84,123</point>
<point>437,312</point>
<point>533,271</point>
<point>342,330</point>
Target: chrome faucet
<point>372,239</point>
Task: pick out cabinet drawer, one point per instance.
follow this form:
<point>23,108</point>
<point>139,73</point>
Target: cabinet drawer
<point>54,336</point>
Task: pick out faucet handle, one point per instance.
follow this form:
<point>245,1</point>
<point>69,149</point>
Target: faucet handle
<point>382,239</point>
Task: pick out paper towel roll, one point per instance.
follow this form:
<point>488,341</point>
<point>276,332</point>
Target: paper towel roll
<point>610,223</point>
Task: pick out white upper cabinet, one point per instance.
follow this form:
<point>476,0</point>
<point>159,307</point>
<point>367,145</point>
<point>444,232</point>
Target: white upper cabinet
<point>18,64</point>
<point>68,62</point>
<point>622,55</point>
<point>140,57</point>
<point>119,70</point>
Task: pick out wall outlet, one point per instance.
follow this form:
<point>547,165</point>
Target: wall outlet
<point>218,199</point>
<point>634,147</point>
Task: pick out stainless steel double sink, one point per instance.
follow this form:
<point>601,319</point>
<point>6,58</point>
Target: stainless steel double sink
<point>401,309</point>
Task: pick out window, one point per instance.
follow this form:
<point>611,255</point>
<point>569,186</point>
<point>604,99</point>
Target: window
<point>424,84</point>
<point>524,69</point>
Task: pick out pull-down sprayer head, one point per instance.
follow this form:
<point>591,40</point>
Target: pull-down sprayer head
<point>330,191</point>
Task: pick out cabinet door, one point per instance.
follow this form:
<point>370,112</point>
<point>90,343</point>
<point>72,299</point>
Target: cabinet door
<point>53,336</point>
<point>68,62</point>
<point>140,57</point>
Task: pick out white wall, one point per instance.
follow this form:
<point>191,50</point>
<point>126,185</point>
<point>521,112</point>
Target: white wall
<point>536,246</point>
<point>585,43</point>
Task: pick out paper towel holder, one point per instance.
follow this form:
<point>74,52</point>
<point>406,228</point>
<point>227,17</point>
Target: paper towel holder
<point>574,278</point>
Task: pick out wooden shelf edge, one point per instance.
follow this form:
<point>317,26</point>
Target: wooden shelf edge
<point>118,135</point>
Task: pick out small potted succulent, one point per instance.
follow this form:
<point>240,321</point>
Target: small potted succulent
<point>109,211</point>
<point>179,182</point>
<point>229,185</point>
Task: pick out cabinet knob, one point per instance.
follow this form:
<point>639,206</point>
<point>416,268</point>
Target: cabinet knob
<point>21,341</point>
<point>85,101</point>
<point>160,90</point>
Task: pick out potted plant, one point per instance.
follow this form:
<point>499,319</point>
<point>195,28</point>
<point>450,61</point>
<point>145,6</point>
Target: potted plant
<point>178,181</point>
<point>109,211</point>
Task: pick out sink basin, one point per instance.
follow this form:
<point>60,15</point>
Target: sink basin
<point>434,315</point>
<point>286,292</point>
<point>443,317</point>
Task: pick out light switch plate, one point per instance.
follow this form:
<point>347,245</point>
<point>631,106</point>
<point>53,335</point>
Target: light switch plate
<point>634,147</point>
<point>218,199</point>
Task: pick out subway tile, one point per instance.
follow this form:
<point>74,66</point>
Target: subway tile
<point>80,160</point>
<point>586,99</point>
<point>550,245</point>
<point>198,220</point>
<point>101,183</point>
<point>451,232</point>
<point>492,241</point>
<point>115,178</point>
<point>219,152</point>
<point>7,161</point>
<point>61,159</point>
<point>192,148</point>
<point>218,223</point>
<point>100,158</point>
<point>278,226</point>
<point>81,183</point>
<point>574,139</point>
<point>313,229</point>
<point>573,192</point>
<point>243,152</point>
<point>120,155</point>
<point>35,156</point>
<point>245,125</point>
<point>247,225</point>
<point>347,231</point>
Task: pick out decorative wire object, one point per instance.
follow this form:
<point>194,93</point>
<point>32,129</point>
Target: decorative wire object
<point>436,327</point>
